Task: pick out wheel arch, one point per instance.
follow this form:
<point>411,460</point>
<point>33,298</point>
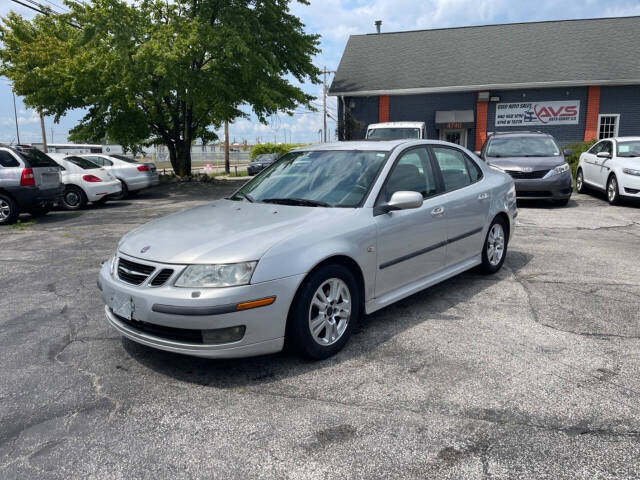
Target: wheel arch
<point>507,222</point>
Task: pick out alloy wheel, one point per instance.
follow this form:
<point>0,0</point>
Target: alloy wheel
<point>330,311</point>
<point>612,189</point>
<point>5,210</point>
<point>72,198</point>
<point>495,244</point>
<point>579,181</point>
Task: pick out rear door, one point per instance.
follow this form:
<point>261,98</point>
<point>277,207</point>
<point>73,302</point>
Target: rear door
<point>466,202</point>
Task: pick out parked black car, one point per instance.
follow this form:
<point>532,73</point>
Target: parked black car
<point>535,161</point>
<point>261,162</point>
<point>29,182</point>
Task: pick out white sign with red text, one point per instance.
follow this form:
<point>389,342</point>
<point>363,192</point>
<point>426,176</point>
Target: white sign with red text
<point>564,112</point>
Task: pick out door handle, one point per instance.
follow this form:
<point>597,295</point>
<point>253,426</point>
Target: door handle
<point>437,212</point>
<point>483,196</point>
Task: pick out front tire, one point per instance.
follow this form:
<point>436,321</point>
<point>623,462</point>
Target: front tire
<point>9,210</point>
<point>74,198</point>
<point>494,250</point>
<point>580,186</point>
<point>613,193</point>
<point>324,312</point>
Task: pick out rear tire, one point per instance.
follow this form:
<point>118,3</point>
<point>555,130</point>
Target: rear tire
<point>494,250</point>
<point>124,193</point>
<point>613,193</point>
<point>73,198</point>
<point>9,210</point>
<point>324,312</point>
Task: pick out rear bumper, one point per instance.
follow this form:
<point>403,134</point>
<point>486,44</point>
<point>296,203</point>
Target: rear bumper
<point>27,197</point>
<point>97,191</point>
<point>558,187</point>
<point>142,181</point>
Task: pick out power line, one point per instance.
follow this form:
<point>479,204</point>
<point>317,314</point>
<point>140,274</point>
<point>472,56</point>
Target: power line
<point>43,10</point>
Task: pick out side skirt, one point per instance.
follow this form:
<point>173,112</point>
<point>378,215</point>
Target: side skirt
<point>407,290</point>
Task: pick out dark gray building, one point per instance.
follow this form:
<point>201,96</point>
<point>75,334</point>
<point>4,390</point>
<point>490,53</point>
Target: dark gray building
<point>575,79</point>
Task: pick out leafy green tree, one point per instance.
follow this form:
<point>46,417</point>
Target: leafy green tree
<point>157,71</point>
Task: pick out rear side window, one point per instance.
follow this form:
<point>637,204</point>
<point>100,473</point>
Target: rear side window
<point>82,162</point>
<point>454,167</point>
<point>7,160</point>
<point>474,170</point>
<point>35,158</point>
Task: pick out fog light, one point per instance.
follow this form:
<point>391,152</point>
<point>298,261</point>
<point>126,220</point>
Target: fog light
<point>223,335</point>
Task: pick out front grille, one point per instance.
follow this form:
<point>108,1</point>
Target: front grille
<point>132,272</point>
<point>168,333</point>
<point>527,175</point>
<point>527,193</point>
<point>162,277</point>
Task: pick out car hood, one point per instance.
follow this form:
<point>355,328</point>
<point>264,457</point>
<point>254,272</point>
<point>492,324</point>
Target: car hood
<point>520,163</point>
<point>224,231</point>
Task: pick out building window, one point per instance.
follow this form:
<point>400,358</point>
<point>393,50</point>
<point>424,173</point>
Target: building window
<point>608,126</point>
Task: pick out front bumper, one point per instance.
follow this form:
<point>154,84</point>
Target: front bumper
<point>265,326</point>
<point>558,187</point>
<point>629,185</point>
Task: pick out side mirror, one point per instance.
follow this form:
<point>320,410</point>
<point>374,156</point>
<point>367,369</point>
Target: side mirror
<point>603,155</point>
<point>402,200</point>
<point>567,152</point>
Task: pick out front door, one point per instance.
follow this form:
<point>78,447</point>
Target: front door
<point>410,242</point>
<point>467,201</point>
<point>454,135</point>
<point>604,164</point>
<point>590,168</point>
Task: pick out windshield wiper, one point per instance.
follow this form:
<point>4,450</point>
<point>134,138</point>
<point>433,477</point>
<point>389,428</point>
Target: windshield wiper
<point>297,201</point>
<point>246,196</point>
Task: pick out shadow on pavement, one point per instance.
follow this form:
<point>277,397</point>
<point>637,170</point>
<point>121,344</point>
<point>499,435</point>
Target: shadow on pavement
<point>372,331</point>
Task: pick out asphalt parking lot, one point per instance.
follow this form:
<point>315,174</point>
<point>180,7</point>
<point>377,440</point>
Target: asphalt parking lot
<point>533,373</point>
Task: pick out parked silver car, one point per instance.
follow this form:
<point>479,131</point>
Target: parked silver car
<point>133,175</point>
<point>304,249</point>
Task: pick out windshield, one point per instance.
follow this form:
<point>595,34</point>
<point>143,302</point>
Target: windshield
<point>523,147</point>
<point>629,149</point>
<point>392,133</point>
<point>82,162</point>
<point>124,158</point>
<point>34,158</point>
<point>316,178</point>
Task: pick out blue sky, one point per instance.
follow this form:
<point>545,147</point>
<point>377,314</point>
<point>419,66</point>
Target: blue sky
<point>335,20</point>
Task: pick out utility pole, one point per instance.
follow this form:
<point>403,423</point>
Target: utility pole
<point>44,134</point>
<point>227,166</point>
<point>324,102</point>
<point>15,113</point>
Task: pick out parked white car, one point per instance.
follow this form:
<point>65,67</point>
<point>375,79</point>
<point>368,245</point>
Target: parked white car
<point>612,165</point>
<point>133,175</point>
<point>84,181</point>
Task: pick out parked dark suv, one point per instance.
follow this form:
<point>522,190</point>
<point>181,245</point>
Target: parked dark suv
<point>29,182</point>
<point>535,161</point>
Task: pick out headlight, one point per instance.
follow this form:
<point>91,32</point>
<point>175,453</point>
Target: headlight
<point>558,170</point>
<point>112,265</point>
<point>631,171</point>
<point>223,275</point>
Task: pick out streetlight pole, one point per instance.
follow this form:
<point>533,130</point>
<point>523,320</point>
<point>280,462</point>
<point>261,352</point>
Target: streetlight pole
<point>44,134</point>
<point>324,103</point>
<point>15,113</point>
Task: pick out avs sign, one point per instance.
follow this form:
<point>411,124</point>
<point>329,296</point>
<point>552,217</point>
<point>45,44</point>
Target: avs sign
<point>537,113</point>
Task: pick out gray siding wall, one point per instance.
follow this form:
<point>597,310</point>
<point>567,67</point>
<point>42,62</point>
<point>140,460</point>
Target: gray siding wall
<point>625,101</point>
<point>364,110</point>
<point>564,134</point>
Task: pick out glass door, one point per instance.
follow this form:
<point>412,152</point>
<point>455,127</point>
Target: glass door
<point>457,136</point>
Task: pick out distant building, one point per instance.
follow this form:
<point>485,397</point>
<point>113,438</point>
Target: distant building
<point>574,79</point>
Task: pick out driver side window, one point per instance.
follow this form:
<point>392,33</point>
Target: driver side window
<point>596,148</point>
<point>412,172</point>
<point>607,147</point>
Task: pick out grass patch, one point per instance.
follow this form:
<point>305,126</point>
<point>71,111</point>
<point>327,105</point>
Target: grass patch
<point>20,225</point>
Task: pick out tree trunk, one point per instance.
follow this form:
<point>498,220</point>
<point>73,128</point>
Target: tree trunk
<point>183,154</point>
<point>227,165</point>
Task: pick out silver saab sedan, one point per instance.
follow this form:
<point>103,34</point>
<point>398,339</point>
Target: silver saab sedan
<point>302,251</point>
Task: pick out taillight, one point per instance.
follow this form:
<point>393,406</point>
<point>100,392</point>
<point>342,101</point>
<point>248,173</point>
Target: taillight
<point>91,178</point>
<point>27,179</point>
<point>143,168</point>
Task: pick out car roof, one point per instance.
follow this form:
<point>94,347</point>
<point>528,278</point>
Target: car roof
<point>520,133</point>
<point>397,125</point>
<point>369,145</point>
<point>623,139</point>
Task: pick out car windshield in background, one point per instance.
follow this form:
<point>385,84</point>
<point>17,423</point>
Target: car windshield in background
<point>124,158</point>
<point>523,147</point>
<point>82,162</point>
<point>35,158</point>
<point>317,178</point>
<point>629,149</point>
<point>392,133</point>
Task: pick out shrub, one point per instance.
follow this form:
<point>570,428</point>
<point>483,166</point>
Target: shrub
<point>279,148</point>
<point>577,149</point>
